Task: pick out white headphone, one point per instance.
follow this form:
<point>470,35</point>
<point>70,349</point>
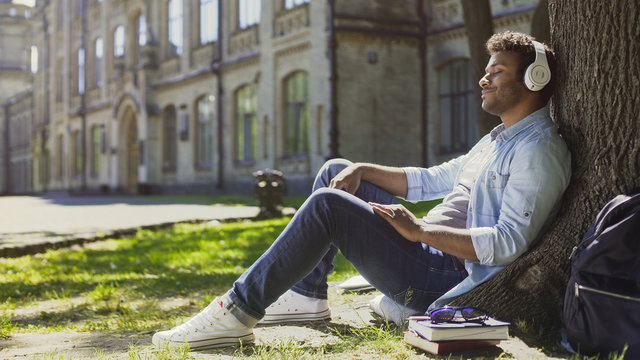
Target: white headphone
<point>538,73</point>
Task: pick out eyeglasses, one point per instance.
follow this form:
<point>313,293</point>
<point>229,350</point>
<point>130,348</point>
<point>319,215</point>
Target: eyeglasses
<point>448,314</point>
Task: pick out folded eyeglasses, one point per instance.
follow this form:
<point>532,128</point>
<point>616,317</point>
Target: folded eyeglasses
<point>448,314</point>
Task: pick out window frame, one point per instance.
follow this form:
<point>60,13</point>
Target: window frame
<point>457,92</point>
<point>169,139</point>
<point>292,105</point>
<point>176,21</point>
<point>241,118</point>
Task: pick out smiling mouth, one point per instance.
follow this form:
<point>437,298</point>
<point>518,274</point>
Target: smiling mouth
<point>487,91</point>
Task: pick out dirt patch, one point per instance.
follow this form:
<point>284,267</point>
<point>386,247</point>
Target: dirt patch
<point>348,310</point>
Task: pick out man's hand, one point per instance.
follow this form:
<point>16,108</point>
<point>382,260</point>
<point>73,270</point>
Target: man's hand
<point>348,179</point>
<point>403,220</point>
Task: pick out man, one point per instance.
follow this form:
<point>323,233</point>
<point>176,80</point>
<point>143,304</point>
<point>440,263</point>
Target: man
<point>498,198</point>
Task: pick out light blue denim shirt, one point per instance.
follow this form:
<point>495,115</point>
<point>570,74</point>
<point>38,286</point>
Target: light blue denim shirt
<point>526,169</point>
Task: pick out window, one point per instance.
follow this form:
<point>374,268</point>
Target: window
<point>96,137</point>
<point>60,156</point>
<point>81,71</point>
<point>175,27</point>
<point>118,42</point>
<point>456,105</point>
<point>169,139</point>
<point>248,13</point>
<point>245,123</point>
<point>34,59</point>
<point>204,131</point>
<point>208,21</point>
<point>97,62</point>
<point>296,112</point>
<point>289,4</point>
<point>141,26</point>
<point>76,139</point>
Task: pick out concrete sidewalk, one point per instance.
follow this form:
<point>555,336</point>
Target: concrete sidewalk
<point>33,224</point>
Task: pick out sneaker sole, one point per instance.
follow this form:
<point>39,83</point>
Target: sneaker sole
<point>285,318</point>
<point>217,342</point>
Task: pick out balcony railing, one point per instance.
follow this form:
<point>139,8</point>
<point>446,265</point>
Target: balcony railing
<point>244,41</point>
<point>292,21</point>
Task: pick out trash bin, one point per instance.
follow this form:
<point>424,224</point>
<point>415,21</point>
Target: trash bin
<point>269,188</point>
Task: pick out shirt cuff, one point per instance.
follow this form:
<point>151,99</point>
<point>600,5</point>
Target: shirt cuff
<point>414,183</point>
<point>483,240</point>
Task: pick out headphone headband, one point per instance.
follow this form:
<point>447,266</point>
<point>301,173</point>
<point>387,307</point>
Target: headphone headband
<point>538,73</point>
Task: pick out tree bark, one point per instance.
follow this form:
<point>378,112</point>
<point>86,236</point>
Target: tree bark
<point>479,23</point>
<point>596,105</point>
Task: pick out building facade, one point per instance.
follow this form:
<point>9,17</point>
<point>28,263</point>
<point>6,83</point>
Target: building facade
<point>193,96</point>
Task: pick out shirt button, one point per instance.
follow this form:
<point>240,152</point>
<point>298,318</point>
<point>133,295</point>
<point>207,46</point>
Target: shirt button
<point>493,177</point>
<point>526,214</point>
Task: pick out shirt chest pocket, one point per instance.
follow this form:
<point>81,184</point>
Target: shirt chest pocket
<point>495,180</point>
<point>491,192</point>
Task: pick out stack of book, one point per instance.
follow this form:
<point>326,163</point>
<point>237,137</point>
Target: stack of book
<point>448,337</point>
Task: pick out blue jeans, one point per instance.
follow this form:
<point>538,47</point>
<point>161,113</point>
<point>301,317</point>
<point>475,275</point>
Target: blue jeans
<point>302,256</point>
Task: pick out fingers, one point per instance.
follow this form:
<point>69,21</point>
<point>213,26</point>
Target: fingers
<point>382,210</point>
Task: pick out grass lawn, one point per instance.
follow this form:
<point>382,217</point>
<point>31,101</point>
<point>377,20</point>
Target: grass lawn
<point>156,279</point>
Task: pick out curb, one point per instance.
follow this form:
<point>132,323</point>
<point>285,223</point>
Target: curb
<point>80,239</point>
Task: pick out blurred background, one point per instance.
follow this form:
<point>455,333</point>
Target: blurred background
<point>193,96</point>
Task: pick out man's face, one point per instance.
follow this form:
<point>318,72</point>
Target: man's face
<point>502,87</point>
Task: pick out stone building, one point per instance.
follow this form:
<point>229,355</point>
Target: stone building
<point>16,101</point>
<point>165,96</point>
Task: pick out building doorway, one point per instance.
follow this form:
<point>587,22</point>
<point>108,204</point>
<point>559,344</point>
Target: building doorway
<point>132,155</point>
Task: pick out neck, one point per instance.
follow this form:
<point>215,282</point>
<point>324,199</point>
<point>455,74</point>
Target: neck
<point>517,113</point>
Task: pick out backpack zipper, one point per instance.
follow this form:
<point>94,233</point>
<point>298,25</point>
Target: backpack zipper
<point>579,287</point>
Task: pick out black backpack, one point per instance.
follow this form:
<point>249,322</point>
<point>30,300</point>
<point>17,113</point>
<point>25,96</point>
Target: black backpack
<point>602,302</point>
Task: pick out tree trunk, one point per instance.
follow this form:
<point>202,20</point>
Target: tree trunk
<point>479,23</point>
<point>596,105</point>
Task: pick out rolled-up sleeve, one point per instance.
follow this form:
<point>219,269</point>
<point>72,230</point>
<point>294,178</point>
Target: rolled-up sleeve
<point>538,176</point>
<point>434,182</point>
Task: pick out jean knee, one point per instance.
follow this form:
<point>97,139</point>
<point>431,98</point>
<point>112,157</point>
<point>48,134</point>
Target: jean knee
<point>334,166</point>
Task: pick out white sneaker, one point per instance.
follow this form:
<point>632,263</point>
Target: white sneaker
<point>383,306</point>
<point>214,326</point>
<point>292,306</point>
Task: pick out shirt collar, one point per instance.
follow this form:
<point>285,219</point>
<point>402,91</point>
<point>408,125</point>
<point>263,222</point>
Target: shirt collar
<point>505,134</point>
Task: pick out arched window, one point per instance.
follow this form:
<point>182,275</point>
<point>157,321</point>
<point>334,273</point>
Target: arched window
<point>118,42</point>
<point>169,139</point>
<point>96,136</point>
<point>204,130</point>
<point>457,107</point>
<point>245,106</point>
<point>296,112</point>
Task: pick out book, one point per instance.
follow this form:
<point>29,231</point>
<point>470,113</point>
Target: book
<point>491,330</point>
<point>356,283</point>
<point>445,347</point>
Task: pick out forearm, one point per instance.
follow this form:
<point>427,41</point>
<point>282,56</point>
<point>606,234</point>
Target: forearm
<point>391,179</point>
<point>456,242</point>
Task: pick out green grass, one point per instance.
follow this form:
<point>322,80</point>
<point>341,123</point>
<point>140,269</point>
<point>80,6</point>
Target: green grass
<point>132,287</point>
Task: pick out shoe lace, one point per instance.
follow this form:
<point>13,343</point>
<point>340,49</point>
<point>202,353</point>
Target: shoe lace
<point>204,319</point>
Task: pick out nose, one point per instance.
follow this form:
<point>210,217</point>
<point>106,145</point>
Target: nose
<point>484,81</point>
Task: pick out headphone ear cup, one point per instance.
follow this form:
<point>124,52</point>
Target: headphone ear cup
<point>536,77</point>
